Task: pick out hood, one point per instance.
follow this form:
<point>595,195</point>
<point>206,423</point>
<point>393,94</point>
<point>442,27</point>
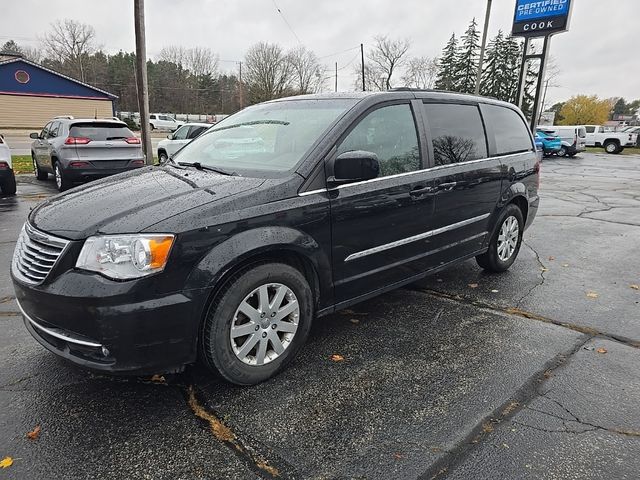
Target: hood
<point>131,202</point>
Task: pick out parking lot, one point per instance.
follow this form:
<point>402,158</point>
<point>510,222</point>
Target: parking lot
<point>534,373</point>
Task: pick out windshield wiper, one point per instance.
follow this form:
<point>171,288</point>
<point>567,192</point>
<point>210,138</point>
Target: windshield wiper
<point>199,166</point>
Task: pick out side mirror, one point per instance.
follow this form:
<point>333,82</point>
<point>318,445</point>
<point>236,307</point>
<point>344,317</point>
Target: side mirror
<point>170,136</point>
<point>34,135</point>
<point>354,166</point>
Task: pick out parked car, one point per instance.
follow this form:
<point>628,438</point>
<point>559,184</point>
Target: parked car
<point>551,143</point>
<point>634,131</point>
<point>232,257</point>
<point>7,176</point>
<point>573,139</point>
<point>612,142</point>
<point>163,122</point>
<point>175,141</point>
<point>78,150</point>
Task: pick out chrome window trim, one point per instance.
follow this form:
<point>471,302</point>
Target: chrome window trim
<point>415,238</point>
<point>430,169</point>
<point>53,333</point>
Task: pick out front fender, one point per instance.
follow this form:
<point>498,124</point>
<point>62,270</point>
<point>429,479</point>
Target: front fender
<point>253,243</point>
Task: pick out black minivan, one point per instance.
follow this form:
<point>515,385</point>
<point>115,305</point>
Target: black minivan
<point>284,212</point>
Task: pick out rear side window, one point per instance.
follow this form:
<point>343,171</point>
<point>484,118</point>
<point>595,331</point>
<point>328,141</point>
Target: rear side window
<point>511,133</point>
<point>100,131</point>
<point>390,133</point>
<point>456,132</point>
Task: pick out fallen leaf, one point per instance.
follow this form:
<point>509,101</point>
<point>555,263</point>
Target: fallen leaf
<point>6,462</point>
<point>158,379</point>
<point>473,285</point>
<point>336,358</point>
<point>355,321</point>
<point>635,287</point>
<point>565,264</point>
<point>592,295</point>
<point>544,269</point>
<point>494,291</point>
<point>34,434</point>
<point>601,350</point>
<point>487,427</point>
<point>398,456</point>
<point>552,258</point>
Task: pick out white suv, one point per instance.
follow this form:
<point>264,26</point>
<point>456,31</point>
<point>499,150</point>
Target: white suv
<point>7,177</point>
<point>163,122</point>
<point>175,141</point>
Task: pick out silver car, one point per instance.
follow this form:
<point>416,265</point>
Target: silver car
<point>78,150</point>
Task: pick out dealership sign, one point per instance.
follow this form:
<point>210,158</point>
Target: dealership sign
<point>540,18</point>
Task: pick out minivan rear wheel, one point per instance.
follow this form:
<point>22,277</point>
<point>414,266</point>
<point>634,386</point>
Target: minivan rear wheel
<point>505,242</point>
<point>257,323</point>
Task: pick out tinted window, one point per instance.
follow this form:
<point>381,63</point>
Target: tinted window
<point>590,129</point>
<point>100,131</point>
<point>45,130</point>
<point>390,133</point>
<point>195,131</point>
<point>511,133</point>
<point>54,129</point>
<point>457,133</point>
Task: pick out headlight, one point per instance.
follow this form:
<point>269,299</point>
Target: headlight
<point>122,257</point>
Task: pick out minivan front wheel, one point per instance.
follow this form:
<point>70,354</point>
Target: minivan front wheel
<point>257,323</point>
<point>505,242</point>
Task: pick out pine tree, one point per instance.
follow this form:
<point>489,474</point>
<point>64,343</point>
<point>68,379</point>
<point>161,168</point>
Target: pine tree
<point>447,77</point>
<point>510,60</point>
<point>491,84</point>
<point>467,58</point>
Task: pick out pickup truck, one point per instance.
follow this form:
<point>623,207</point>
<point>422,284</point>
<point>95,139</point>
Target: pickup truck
<point>612,142</point>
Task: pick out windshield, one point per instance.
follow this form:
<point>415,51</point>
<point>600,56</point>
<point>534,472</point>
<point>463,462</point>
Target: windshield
<point>269,137</point>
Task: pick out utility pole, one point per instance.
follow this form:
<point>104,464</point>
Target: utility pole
<point>336,76</point>
<point>141,79</point>
<point>364,88</point>
<point>483,46</point>
<point>241,94</point>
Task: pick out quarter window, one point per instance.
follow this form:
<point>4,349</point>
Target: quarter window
<point>390,133</point>
<point>511,133</point>
<point>456,132</point>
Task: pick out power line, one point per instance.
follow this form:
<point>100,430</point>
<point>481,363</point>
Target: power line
<point>338,53</point>
<point>285,21</point>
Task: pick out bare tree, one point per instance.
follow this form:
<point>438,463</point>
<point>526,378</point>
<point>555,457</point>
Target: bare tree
<point>70,42</point>
<point>420,72</point>
<point>32,53</point>
<point>267,72</point>
<point>374,78</point>
<point>387,56</point>
<point>201,61</point>
<point>306,71</point>
<point>173,54</point>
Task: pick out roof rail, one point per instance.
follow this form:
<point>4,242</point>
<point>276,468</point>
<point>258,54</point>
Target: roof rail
<point>66,117</point>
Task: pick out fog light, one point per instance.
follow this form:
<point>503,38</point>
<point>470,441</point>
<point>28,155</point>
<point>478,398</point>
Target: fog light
<point>105,351</point>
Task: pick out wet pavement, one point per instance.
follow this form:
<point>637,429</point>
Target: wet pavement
<point>528,374</point>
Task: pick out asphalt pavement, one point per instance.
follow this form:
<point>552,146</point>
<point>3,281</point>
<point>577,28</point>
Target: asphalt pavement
<point>530,374</point>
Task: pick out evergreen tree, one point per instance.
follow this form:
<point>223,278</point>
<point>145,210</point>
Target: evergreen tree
<point>447,76</point>
<point>491,84</point>
<point>467,59</point>
<point>11,47</point>
<point>510,60</point>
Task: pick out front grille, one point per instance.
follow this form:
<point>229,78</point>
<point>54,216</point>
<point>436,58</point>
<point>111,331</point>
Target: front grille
<point>35,255</point>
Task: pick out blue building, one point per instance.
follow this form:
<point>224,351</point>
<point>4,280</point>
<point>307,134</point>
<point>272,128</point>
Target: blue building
<point>30,95</point>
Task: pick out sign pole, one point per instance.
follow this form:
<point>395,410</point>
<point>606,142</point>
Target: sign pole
<point>523,68</point>
<point>541,73</point>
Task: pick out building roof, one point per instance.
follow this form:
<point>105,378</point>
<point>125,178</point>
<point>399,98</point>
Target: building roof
<point>16,59</point>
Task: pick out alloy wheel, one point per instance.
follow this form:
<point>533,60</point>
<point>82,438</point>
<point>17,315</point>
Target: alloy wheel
<point>508,238</point>
<point>264,324</point>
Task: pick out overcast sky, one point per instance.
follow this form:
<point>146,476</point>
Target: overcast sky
<point>599,55</point>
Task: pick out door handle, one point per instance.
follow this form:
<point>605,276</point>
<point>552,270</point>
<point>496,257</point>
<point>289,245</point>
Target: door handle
<point>421,191</point>
<point>447,186</point>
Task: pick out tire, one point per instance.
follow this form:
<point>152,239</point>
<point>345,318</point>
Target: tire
<point>162,156</point>
<point>224,354</point>
<point>571,155</point>
<point>40,175</point>
<point>62,183</point>
<point>495,259</point>
<point>562,152</point>
<point>8,186</point>
<point>612,147</point>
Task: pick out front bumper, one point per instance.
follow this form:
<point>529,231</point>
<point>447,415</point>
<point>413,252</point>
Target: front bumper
<point>115,327</point>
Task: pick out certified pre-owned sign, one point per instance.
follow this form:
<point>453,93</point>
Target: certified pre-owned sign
<point>540,18</point>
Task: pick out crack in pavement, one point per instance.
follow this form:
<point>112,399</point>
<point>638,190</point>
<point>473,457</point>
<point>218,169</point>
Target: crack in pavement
<point>7,299</point>
<point>543,269</point>
<point>590,218</point>
<point>529,315</point>
<point>523,396</point>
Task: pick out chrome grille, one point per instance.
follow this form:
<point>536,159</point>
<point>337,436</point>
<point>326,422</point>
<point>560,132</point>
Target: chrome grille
<point>35,255</point>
